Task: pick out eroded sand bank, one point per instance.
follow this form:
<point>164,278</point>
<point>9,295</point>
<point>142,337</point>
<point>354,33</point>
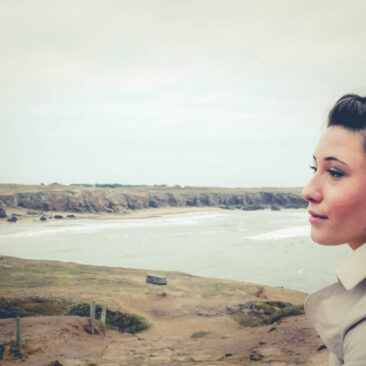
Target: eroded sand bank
<point>191,319</point>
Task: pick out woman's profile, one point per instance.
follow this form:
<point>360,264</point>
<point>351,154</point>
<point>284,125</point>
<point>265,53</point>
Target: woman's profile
<point>337,207</point>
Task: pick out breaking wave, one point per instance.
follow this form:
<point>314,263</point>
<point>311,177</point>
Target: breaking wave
<point>89,228</point>
<point>292,232</point>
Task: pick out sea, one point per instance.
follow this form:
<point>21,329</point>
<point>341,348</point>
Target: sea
<point>264,246</point>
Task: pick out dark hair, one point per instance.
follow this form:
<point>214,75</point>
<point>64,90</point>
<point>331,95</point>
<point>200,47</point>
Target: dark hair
<point>349,112</point>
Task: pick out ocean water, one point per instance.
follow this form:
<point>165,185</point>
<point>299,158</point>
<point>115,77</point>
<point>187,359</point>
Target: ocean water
<point>268,247</point>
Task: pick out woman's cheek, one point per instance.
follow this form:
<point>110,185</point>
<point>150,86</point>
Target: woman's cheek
<point>351,207</point>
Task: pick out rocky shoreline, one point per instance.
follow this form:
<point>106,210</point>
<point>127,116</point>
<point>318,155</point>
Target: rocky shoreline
<point>91,200</point>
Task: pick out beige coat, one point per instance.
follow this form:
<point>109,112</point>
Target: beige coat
<point>338,312</point>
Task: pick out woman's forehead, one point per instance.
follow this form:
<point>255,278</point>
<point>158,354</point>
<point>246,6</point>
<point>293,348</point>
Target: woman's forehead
<point>340,143</point>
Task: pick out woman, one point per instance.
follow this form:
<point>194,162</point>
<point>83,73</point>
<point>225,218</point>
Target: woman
<point>337,207</point>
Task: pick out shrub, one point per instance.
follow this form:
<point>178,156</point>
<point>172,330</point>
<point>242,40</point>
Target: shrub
<point>258,313</point>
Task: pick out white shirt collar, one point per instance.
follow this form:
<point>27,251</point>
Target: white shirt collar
<point>353,269</point>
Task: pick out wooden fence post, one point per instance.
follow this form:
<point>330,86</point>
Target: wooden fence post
<point>18,332</point>
<point>103,316</point>
<point>92,316</point>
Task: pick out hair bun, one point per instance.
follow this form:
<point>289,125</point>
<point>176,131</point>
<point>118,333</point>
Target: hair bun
<point>349,112</point>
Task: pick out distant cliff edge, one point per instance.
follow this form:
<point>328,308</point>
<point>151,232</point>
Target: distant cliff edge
<point>120,200</point>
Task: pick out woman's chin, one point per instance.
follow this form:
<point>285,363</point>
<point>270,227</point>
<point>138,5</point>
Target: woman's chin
<point>324,239</point>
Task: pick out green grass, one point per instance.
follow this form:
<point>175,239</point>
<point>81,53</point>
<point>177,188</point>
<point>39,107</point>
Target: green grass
<point>200,334</point>
<point>13,307</point>
<point>35,306</point>
<point>258,313</point>
<point>29,274</point>
<point>125,322</point>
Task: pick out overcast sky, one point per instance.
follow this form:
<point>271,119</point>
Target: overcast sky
<point>192,92</point>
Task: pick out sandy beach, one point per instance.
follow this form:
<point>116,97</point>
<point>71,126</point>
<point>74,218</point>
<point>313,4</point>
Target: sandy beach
<point>23,215</point>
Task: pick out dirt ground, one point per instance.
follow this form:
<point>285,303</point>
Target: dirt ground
<point>189,321</point>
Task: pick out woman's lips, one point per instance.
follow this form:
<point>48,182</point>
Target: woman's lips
<point>316,218</point>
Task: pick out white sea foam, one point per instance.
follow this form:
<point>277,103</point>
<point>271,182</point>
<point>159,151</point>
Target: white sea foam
<point>291,232</point>
<point>190,218</point>
<point>300,214</point>
<point>89,228</point>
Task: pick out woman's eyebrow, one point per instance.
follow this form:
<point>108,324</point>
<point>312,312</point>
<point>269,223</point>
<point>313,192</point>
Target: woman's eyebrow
<point>332,158</point>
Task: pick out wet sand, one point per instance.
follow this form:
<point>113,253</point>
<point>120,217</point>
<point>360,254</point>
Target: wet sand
<point>22,215</point>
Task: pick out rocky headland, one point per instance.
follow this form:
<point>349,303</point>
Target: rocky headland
<point>111,199</point>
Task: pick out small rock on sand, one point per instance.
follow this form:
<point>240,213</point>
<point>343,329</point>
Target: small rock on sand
<point>156,280</point>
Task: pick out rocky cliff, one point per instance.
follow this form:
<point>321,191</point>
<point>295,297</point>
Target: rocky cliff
<point>118,200</point>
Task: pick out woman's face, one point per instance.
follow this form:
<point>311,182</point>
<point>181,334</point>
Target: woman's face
<point>337,191</point>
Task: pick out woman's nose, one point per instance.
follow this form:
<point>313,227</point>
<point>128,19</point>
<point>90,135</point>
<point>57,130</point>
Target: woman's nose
<point>312,191</point>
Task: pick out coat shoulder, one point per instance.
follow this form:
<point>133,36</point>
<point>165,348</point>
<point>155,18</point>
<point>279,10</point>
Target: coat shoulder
<point>356,315</point>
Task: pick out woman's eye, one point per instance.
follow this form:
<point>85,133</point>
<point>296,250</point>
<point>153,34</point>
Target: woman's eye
<point>313,168</point>
<point>335,173</point>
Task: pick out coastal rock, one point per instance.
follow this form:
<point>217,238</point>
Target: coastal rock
<point>43,218</point>
<point>275,208</point>
<point>256,356</point>
<point>3,214</point>
<point>156,280</point>
<point>33,213</point>
<point>207,358</point>
<point>118,200</point>
<point>12,219</point>
<point>153,203</point>
<point>253,208</point>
